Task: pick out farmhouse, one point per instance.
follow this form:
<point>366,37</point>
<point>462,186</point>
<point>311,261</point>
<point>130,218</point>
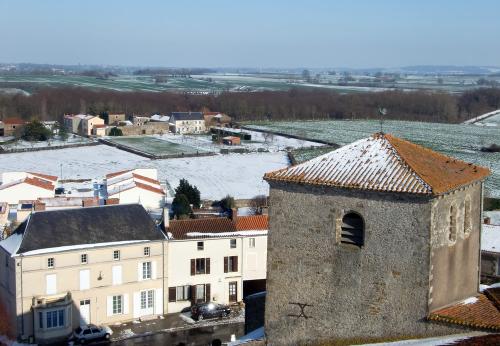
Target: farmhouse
<point>82,124</point>
<point>187,122</point>
<point>18,186</point>
<point>12,126</point>
<point>113,119</point>
<point>88,123</point>
<point>98,265</point>
<point>136,186</point>
<point>368,241</point>
<point>215,259</point>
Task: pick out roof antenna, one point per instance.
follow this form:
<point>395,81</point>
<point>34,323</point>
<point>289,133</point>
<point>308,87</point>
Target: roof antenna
<point>382,112</point>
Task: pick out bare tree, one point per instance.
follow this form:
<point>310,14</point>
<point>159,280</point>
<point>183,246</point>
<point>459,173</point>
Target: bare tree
<point>257,204</point>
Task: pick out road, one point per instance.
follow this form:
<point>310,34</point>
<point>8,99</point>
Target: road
<point>191,337</point>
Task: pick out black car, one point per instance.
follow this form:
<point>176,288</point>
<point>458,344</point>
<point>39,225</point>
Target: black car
<point>209,310</point>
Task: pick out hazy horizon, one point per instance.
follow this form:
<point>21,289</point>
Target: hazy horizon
<point>229,34</point>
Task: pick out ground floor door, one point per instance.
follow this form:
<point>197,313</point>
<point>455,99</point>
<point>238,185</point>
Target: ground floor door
<point>84,311</point>
<point>147,302</point>
<point>233,291</point>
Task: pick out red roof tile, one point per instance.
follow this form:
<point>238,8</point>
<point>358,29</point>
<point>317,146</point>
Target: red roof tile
<point>383,162</point>
<point>44,184</point>
<point>14,121</point>
<point>138,176</point>
<point>481,313</point>
<point>180,228</point>
<point>149,188</point>
<point>115,174</point>
<point>44,176</point>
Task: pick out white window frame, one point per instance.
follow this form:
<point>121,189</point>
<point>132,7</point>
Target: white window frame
<point>84,258</point>
<point>147,251</point>
<point>116,255</point>
<point>231,242</point>
<point>147,299</point>
<point>147,269</point>
<point>117,302</point>
<point>57,318</point>
<point>51,262</point>
<point>251,243</point>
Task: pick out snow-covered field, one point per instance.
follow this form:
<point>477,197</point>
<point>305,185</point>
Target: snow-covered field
<point>55,142</point>
<point>239,175</point>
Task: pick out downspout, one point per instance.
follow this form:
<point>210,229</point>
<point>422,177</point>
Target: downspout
<point>163,276</point>
<point>22,307</point>
<point>480,232</point>
<point>242,263</point>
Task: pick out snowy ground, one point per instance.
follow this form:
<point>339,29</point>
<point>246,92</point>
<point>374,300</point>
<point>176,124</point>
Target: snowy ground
<point>55,142</point>
<point>437,341</point>
<point>239,175</point>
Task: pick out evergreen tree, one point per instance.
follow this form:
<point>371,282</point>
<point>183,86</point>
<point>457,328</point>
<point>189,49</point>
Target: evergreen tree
<point>36,131</point>
<point>190,192</point>
<point>115,131</point>
<point>180,206</point>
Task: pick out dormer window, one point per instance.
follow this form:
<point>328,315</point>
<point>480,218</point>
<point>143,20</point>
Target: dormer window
<point>353,230</point>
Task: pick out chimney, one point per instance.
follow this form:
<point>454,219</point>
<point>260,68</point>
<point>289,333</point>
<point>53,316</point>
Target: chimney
<point>112,201</point>
<point>166,218</point>
<point>487,221</point>
<point>38,206</point>
<point>234,214</point>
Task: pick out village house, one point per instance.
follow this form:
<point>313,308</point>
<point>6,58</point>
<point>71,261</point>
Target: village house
<point>215,259</point>
<point>18,186</point>
<point>12,126</point>
<point>88,123</point>
<point>113,119</point>
<point>98,265</point>
<point>371,241</point>
<point>73,122</point>
<point>139,120</point>
<point>490,253</point>
<point>187,122</point>
<point>136,186</point>
<point>99,130</point>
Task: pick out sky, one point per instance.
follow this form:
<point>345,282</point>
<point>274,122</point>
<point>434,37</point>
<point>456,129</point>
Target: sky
<point>251,33</point>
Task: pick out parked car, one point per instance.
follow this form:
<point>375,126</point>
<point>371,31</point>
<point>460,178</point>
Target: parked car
<point>90,333</point>
<point>209,310</point>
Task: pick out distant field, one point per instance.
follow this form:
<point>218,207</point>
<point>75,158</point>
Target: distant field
<point>219,82</point>
<point>460,141</point>
<point>156,146</point>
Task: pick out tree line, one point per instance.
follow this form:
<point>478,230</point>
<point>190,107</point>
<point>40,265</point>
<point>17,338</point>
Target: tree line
<point>294,104</point>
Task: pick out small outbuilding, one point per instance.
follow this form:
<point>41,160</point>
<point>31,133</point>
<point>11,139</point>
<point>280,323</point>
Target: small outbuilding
<point>231,140</point>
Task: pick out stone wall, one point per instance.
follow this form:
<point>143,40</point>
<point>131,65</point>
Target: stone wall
<point>151,128</point>
<point>455,263</point>
<point>320,288</point>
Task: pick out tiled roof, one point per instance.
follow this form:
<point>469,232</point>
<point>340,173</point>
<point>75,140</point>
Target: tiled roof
<point>44,184</point>
<point>478,312</point>
<point>124,187</point>
<point>115,174</point>
<point>383,162</point>
<point>178,116</point>
<point>211,227</point>
<point>142,177</point>
<point>44,176</point>
<point>14,121</point>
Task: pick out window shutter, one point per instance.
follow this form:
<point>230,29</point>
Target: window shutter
<point>158,301</point>
<point>235,263</point>
<point>117,275</point>
<point>125,304</point>
<point>137,304</point>
<point>153,270</point>
<point>172,293</point>
<point>139,271</point>
<point>193,294</point>
<point>207,265</point>
<point>208,297</point>
<point>225,264</point>
<point>193,266</point>
<point>109,306</point>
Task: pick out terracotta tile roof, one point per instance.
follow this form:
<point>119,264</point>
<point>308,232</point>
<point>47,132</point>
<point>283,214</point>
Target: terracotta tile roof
<point>124,187</point>
<point>216,227</point>
<point>252,222</point>
<point>383,162</point>
<point>138,176</point>
<point>477,312</point>
<point>115,174</point>
<point>98,126</point>
<point>149,188</point>
<point>44,184</point>
<point>14,121</point>
<point>44,176</point>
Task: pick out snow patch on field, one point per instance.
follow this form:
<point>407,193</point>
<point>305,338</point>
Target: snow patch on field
<point>239,175</point>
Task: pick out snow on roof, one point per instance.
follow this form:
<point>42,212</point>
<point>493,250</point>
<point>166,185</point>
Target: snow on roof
<point>158,117</point>
<point>490,238</point>
<point>383,162</point>
<point>249,233</point>
<point>44,184</point>
<point>134,184</point>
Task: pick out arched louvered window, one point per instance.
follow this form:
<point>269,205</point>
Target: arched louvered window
<point>353,229</point>
<point>467,218</point>
<point>452,232</point>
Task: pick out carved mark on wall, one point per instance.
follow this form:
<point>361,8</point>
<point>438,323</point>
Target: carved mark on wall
<point>302,313</point>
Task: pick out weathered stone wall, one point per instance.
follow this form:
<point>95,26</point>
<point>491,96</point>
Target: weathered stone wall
<point>151,128</point>
<point>455,263</point>
<point>377,291</point>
